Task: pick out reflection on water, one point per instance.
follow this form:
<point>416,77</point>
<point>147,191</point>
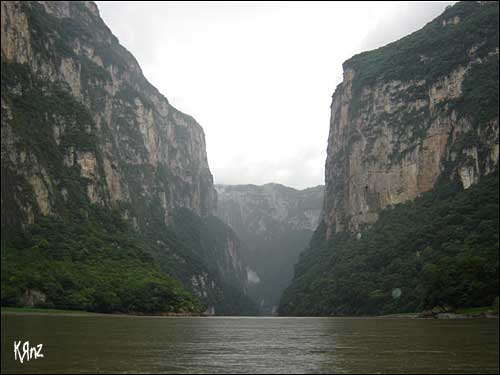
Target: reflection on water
<point>258,345</point>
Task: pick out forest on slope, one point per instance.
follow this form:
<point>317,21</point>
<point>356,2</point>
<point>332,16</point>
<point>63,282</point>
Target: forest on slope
<point>439,250</point>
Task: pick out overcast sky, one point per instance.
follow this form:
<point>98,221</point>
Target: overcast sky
<point>258,77</point>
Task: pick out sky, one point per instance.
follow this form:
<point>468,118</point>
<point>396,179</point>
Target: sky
<point>258,76</point>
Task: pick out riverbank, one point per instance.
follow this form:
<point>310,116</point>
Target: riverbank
<point>468,313</point>
<point>35,310</point>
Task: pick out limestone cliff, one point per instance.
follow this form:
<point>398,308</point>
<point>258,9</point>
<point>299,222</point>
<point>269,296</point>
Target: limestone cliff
<point>145,149</point>
<point>409,114</point>
<point>81,126</point>
<point>275,223</point>
<point>270,207</point>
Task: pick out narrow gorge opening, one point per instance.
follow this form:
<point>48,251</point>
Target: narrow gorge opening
<point>274,224</point>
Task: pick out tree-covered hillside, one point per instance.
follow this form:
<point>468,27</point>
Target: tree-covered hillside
<point>439,250</point>
<point>94,263</point>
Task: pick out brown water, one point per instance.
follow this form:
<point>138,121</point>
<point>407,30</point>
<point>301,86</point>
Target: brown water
<point>92,344</point>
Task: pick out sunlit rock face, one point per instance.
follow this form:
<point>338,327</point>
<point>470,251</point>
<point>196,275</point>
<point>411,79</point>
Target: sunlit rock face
<point>119,134</point>
<point>406,116</point>
<point>275,224</point>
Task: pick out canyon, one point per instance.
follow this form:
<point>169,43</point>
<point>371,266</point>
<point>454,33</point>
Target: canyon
<point>274,224</point>
<point>107,193</point>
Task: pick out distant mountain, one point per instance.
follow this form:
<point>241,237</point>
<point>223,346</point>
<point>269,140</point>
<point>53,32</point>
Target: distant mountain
<point>275,224</point>
<point>414,125</point>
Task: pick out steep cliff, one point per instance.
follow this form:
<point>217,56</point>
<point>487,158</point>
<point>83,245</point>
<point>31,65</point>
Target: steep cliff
<point>275,223</point>
<point>104,119</point>
<point>412,112</point>
<point>418,115</point>
<point>82,127</point>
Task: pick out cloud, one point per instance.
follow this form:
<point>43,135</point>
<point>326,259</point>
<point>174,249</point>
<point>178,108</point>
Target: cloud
<point>401,20</point>
<point>300,169</point>
<point>258,76</point>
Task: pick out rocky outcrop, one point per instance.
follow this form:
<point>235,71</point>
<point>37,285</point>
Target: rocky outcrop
<point>33,297</point>
<point>396,130</point>
<point>275,224</point>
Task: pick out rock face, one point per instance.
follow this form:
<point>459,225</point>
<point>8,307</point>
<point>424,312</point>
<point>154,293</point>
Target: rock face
<point>260,209</point>
<point>412,113</point>
<point>82,126</point>
<point>145,149</point>
<point>275,224</point>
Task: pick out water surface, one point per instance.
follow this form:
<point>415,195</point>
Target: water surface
<point>108,344</point>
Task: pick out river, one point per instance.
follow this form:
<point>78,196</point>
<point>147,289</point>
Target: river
<point>106,344</point>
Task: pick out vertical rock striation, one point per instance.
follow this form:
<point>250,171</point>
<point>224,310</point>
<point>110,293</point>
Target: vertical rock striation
<point>411,113</point>
<point>139,147</point>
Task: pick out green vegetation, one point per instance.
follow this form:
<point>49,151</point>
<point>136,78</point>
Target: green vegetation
<point>38,310</point>
<point>480,93</point>
<point>96,262</point>
<point>439,250</point>
<point>476,310</point>
<point>93,263</point>
<point>208,238</point>
<point>430,53</point>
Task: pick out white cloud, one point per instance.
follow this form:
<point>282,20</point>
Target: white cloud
<point>258,76</point>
